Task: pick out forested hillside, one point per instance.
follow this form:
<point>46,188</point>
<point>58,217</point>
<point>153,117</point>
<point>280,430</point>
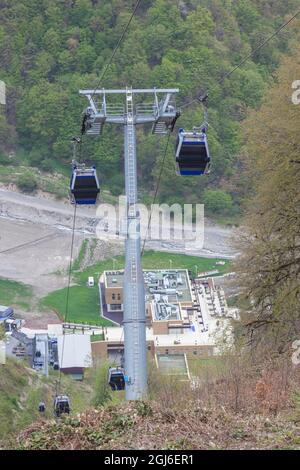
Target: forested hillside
<point>51,48</point>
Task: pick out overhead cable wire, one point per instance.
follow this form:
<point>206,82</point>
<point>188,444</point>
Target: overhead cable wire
<point>248,56</point>
<point>68,292</point>
<point>108,64</point>
<point>156,189</point>
<point>202,100</point>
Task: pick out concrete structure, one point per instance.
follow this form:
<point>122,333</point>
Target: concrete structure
<point>113,291</point>
<point>19,345</point>
<point>173,364</point>
<point>183,317</point>
<point>12,324</point>
<point>212,299</point>
<point>167,295</point>
<point>50,347</point>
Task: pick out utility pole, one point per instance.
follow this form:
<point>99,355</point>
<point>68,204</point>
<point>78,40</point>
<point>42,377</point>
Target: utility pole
<point>161,113</point>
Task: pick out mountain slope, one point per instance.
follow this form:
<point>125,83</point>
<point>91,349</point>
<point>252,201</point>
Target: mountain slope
<point>143,426</point>
<point>51,48</point>
<point>21,390</point>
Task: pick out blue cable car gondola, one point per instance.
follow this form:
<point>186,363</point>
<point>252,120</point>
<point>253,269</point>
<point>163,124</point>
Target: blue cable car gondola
<point>84,185</point>
<point>116,378</point>
<point>192,154</point>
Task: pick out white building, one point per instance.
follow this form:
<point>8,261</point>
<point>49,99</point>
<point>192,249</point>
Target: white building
<point>74,354</point>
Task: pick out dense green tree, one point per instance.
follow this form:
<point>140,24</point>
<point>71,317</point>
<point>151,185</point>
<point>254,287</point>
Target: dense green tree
<point>217,201</point>
<point>269,267</point>
<point>51,48</point>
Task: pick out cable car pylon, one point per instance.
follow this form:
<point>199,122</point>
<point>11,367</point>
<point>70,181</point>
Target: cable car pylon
<point>162,114</point>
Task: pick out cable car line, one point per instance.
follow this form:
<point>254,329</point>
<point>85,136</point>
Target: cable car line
<point>248,56</point>
<point>119,42</point>
<point>192,151</point>
<point>32,242</point>
<point>156,190</point>
<point>203,100</point>
<point>79,141</point>
<point>116,374</point>
<point>108,64</point>
<point>62,402</point>
<point>84,189</point>
<point>117,46</point>
<point>84,184</point>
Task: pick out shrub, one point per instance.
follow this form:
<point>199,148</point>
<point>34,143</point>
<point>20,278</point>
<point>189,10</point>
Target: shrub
<point>35,157</point>
<point>116,185</point>
<point>27,182</point>
<point>3,159</point>
<point>38,155</point>
<point>217,201</point>
<point>46,165</point>
<point>102,389</point>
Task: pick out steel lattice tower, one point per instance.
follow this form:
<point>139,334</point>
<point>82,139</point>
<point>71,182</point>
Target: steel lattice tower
<point>161,112</point>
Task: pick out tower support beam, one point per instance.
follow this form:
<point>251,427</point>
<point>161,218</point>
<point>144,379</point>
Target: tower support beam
<point>162,115</point>
<point>134,294</point>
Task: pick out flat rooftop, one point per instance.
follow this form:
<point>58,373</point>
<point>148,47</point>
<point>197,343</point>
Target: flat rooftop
<point>114,278</point>
<point>74,351</point>
<point>172,282</point>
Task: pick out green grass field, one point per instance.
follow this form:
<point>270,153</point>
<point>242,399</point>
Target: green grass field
<point>205,367</point>
<point>15,293</point>
<point>83,305</point>
<point>84,302</point>
<point>154,260</point>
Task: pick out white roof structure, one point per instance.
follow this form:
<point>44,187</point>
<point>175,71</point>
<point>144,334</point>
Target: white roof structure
<point>74,351</point>
<point>55,329</point>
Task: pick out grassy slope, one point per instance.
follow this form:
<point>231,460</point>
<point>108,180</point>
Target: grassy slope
<point>206,421</point>
<point>21,390</point>
<point>84,301</point>
<point>177,417</point>
<point>140,425</point>
<point>56,185</point>
<point>15,293</point>
<point>153,260</point>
